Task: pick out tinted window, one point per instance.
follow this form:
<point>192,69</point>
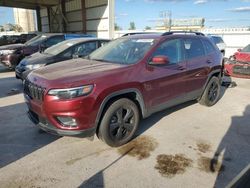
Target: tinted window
<point>194,48</point>
<point>208,46</point>
<point>54,40</point>
<point>85,48</point>
<point>172,49</point>
<point>246,49</point>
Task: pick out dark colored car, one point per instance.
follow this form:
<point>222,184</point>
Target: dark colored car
<point>11,55</point>
<point>62,51</point>
<point>126,80</point>
<point>239,64</point>
<point>26,37</point>
<point>9,39</point>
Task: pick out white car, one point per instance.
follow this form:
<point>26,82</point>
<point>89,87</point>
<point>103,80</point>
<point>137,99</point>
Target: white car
<point>218,41</point>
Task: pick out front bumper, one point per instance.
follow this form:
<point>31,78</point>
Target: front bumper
<point>46,126</point>
<point>237,70</point>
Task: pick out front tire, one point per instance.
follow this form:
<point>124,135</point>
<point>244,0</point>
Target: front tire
<point>211,94</point>
<point>119,123</point>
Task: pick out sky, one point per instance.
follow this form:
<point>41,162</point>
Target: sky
<point>217,13</point>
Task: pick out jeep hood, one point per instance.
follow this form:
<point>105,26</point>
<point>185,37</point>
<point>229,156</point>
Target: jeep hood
<point>11,46</point>
<point>74,71</point>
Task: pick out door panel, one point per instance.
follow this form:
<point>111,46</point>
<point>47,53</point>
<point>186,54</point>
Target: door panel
<point>197,64</point>
<point>165,83</point>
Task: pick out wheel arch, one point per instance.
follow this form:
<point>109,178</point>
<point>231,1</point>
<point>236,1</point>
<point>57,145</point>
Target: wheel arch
<point>132,94</point>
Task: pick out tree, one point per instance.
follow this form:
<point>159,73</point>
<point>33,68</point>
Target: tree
<point>147,28</point>
<point>132,26</point>
<point>117,27</point>
<point>17,28</point>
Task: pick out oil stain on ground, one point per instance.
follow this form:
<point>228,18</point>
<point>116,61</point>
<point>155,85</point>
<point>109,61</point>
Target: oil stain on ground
<point>203,146</point>
<point>207,164</point>
<point>170,165</point>
<point>141,147</point>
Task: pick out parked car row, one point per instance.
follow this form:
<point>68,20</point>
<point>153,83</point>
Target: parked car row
<point>68,49</point>
<point>11,55</point>
<point>13,39</point>
<point>111,89</point>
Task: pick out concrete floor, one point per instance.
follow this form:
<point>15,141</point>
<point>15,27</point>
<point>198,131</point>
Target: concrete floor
<point>174,148</point>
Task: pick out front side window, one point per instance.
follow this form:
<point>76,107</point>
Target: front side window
<point>85,48</point>
<point>123,50</point>
<point>54,40</point>
<point>194,48</point>
<point>173,49</point>
<point>246,49</point>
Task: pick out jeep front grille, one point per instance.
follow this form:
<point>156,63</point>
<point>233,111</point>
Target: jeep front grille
<point>33,91</point>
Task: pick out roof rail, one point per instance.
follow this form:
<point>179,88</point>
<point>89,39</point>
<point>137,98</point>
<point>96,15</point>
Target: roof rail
<point>139,33</point>
<point>182,32</point>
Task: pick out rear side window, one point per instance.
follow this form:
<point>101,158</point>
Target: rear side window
<point>208,46</point>
<point>194,48</point>
<point>54,40</point>
<point>173,49</point>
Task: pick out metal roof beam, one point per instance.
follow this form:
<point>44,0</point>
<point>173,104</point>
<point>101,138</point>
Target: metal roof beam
<point>28,4</point>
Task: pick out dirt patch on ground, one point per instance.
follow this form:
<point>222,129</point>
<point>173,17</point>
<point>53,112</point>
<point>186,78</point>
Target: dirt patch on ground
<point>210,165</point>
<point>203,146</point>
<point>30,182</point>
<point>170,165</point>
<point>141,147</point>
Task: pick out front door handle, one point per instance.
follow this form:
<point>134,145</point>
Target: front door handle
<point>181,68</point>
<point>208,61</point>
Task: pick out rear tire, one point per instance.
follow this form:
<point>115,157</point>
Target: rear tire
<point>211,94</point>
<point>119,123</point>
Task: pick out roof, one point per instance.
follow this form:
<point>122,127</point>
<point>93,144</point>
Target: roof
<point>28,4</point>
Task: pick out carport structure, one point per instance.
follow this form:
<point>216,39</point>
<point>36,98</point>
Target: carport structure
<point>87,16</point>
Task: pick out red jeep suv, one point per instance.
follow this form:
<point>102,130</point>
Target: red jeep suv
<point>126,80</point>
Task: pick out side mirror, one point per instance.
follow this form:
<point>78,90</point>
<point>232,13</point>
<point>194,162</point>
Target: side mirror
<point>239,50</point>
<point>159,60</point>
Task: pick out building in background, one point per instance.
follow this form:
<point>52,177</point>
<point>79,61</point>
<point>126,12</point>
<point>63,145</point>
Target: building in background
<point>25,18</point>
<point>193,24</point>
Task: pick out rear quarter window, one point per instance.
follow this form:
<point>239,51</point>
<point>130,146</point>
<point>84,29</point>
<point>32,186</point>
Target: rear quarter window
<point>193,48</point>
<point>209,47</point>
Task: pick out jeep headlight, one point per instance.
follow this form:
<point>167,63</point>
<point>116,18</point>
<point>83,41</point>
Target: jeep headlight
<point>70,93</point>
<point>7,52</point>
<point>35,66</point>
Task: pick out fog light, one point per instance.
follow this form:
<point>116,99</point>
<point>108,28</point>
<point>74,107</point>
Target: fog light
<point>67,121</point>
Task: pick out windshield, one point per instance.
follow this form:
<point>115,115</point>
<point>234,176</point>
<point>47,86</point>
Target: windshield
<point>246,49</point>
<point>58,48</point>
<point>36,40</point>
<point>123,51</point>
